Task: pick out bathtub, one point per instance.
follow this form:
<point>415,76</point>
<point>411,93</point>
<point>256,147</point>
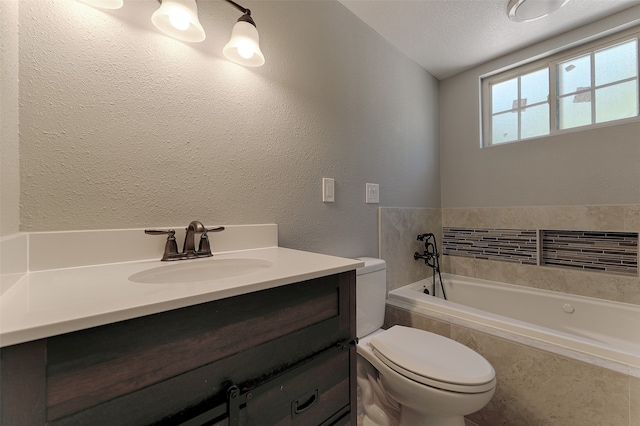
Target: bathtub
<point>597,331</point>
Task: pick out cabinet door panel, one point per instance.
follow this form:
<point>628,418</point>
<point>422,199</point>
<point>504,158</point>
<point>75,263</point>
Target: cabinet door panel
<point>22,378</point>
<point>319,391</point>
<point>182,397</point>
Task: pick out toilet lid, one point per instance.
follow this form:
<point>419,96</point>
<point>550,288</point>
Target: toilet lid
<point>433,359</point>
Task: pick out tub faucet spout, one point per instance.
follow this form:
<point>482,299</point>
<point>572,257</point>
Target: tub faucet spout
<point>431,258</point>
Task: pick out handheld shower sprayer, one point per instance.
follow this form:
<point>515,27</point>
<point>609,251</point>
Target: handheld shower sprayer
<point>431,258</point>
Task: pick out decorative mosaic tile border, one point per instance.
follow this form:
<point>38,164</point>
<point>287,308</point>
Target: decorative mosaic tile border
<point>600,251</point>
<point>509,245</point>
<point>615,252</point>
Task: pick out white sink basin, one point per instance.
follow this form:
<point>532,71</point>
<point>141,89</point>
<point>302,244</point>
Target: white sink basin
<point>200,271</point>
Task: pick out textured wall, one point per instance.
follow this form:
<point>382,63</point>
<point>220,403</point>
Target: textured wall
<point>600,166</point>
<point>9,141</point>
<point>123,127</point>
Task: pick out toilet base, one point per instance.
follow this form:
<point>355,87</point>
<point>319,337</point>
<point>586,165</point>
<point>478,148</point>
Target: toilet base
<point>409,417</point>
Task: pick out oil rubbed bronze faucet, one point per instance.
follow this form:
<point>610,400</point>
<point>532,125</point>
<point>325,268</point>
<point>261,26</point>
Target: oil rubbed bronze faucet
<point>188,249</point>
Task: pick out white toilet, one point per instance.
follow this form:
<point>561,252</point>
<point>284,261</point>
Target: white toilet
<point>411,377</point>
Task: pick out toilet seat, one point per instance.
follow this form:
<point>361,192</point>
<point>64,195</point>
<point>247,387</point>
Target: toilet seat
<point>433,360</point>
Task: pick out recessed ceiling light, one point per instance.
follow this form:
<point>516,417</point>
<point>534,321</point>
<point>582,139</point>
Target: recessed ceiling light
<point>529,10</point>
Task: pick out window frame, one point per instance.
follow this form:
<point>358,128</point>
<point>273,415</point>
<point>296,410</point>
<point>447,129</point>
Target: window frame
<point>551,63</point>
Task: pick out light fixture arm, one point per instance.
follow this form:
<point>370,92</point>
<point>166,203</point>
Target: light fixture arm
<point>240,8</point>
<point>237,6</point>
<point>247,13</point>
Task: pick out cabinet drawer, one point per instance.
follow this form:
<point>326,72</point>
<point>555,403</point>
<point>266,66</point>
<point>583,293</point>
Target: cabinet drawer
<point>308,395</point>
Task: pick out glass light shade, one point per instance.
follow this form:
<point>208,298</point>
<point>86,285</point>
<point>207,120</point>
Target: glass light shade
<point>179,19</point>
<point>244,47</point>
<point>530,10</point>
<point>104,4</point>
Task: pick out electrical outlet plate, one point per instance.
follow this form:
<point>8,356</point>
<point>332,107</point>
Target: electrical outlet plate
<point>372,193</point>
<point>328,190</point>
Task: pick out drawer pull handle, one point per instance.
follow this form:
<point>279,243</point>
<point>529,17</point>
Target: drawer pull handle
<point>299,407</point>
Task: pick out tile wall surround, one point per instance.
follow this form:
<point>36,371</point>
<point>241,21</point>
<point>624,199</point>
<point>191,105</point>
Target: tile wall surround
<point>621,288</point>
<point>535,387</point>
<point>603,251</point>
<point>398,229</point>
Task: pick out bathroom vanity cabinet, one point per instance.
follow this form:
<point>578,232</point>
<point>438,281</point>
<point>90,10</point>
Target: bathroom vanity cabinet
<point>282,356</point>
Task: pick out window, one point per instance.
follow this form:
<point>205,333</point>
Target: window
<point>520,107</point>
<point>577,89</point>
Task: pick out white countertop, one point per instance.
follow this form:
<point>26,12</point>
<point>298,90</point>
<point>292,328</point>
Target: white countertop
<point>50,302</point>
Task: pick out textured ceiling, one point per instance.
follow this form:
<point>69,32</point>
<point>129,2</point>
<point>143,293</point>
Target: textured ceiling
<point>448,36</point>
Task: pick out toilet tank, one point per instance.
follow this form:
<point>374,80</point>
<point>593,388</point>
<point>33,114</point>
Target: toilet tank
<point>371,293</point>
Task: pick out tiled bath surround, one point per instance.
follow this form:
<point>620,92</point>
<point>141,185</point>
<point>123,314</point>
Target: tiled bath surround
<point>621,288</point>
<point>535,387</point>
<point>612,252</point>
<point>398,229</point>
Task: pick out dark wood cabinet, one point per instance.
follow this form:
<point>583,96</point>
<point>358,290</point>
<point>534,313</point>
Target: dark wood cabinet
<point>274,357</point>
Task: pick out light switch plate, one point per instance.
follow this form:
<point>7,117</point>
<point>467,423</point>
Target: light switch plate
<point>372,193</point>
<point>328,190</point>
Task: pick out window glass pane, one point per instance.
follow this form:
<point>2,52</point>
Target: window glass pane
<point>503,94</point>
<point>617,63</point>
<point>535,87</point>
<point>616,102</point>
<point>535,121</point>
<point>574,74</point>
<point>574,111</point>
<point>505,127</point>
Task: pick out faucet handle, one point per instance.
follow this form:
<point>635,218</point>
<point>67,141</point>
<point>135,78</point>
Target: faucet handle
<point>171,246</point>
<point>215,229</point>
<point>170,232</point>
<point>204,249</point>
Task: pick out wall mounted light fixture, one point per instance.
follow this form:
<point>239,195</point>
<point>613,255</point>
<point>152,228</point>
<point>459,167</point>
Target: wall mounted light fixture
<point>179,19</point>
<point>244,46</point>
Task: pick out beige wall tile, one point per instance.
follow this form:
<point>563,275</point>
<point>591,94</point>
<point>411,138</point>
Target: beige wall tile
<point>599,285</point>
<point>611,218</point>
<point>632,218</point>
<point>471,218</point>
<point>398,316</point>
<point>588,218</point>
<point>399,228</point>
<point>634,397</point>
<point>524,217</point>
<point>536,388</point>
<point>458,265</point>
